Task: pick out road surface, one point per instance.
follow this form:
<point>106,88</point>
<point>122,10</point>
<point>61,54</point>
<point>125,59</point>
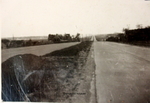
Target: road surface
<point>122,73</point>
<point>37,50</point>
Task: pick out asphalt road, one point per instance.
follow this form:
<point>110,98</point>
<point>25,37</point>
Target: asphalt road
<point>37,50</point>
<point>122,73</point>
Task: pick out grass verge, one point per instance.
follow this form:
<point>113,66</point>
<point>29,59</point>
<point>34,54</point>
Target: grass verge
<point>72,51</point>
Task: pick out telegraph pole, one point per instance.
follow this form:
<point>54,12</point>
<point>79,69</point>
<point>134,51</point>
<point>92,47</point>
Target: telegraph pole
<point>13,37</point>
<point>82,37</point>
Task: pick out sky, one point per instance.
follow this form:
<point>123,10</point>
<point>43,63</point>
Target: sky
<point>87,17</point>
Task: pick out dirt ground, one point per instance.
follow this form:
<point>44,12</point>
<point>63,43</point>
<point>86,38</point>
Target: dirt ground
<point>50,78</point>
<point>86,91</point>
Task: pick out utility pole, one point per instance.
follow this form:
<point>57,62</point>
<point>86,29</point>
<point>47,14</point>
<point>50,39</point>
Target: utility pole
<point>13,37</point>
<point>82,37</point>
<point>86,37</point>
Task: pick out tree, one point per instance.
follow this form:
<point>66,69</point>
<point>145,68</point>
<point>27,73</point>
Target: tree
<point>139,26</point>
<point>125,29</point>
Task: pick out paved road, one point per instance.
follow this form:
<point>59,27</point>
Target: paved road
<point>37,50</point>
<point>122,73</point>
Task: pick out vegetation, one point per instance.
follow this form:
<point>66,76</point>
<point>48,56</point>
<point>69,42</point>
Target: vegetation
<point>139,36</point>
<point>6,43</point>
<point>52,38</point>
<point>58,38</point>
<point>73,50</point>
<point>103,37</point>
<point>22,43</point>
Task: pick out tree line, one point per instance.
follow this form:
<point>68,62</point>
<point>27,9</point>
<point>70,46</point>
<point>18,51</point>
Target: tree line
<point>132,35</point>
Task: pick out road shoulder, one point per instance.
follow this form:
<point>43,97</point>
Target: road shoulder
<point>87,88</point>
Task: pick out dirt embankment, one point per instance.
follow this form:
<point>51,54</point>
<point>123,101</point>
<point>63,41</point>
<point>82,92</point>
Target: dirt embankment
<point>54,77</point>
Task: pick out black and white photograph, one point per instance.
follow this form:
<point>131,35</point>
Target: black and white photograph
<point>75,51</point>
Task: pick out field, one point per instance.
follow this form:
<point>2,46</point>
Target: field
<point>6,43</point>
<point>35,41</point>
<point>53,77</point>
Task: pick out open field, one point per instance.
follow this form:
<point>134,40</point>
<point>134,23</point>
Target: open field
<point>16,42</point>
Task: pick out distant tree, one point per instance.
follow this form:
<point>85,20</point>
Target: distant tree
<point>72,36</point>
<point>125,29</point>
<point>5,41</point>
<point>147,27</point>
<point>78,34</point>
<point>139,26</point>
<point>67,37</point>
<point>29,42</point>
<point>78,37</point>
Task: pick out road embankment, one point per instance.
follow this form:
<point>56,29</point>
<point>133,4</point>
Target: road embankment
<point>87,86</point>
<point>49,78</point>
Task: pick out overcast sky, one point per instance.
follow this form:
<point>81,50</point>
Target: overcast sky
<point>42,17</point>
